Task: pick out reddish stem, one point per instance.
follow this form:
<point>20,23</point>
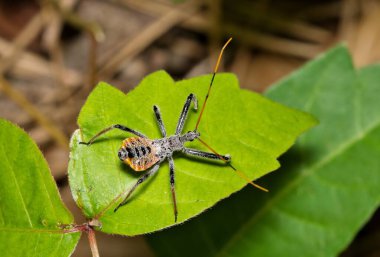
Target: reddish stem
<point>87,227</point>
<point>92,241</point>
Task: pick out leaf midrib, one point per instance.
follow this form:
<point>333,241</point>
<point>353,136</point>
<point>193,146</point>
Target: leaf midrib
<point>307,171</point>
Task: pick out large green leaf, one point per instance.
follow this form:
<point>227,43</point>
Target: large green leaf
<point>31,211</point>
<point>97,176</point>
<point>254,130</point>
<point>329,183</point>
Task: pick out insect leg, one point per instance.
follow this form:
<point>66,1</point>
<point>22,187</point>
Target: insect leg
<point>172,187</point>
<point>116,126</point>
<point>205,154</point>
<point>141,179</point>
<point>159,120</point>
<point>185,110</point>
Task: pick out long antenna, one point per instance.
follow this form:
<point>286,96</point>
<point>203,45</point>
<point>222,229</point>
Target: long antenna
<point>240,173</point>
<point>212,80</point>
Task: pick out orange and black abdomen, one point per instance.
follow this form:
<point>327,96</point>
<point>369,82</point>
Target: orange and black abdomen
<point>139,153</point>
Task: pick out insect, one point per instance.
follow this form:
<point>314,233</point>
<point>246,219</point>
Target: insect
<point>144,154</point>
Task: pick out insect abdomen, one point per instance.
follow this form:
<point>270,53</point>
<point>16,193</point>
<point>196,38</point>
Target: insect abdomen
<point>139,153</point>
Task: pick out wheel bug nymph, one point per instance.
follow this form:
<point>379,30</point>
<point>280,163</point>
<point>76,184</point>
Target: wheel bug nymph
<point>142,153</point>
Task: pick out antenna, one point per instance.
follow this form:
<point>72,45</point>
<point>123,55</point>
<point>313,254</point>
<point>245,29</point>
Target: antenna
<point>212,80</point>
<point>240,173</point>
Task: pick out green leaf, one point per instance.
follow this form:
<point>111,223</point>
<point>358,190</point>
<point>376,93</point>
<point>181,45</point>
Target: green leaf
<point>31,210</point>
<point>254,130</point>
<point>329,183</point>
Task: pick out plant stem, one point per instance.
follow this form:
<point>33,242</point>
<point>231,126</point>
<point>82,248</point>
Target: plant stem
<point>92,241</point>
<point>87,227</point>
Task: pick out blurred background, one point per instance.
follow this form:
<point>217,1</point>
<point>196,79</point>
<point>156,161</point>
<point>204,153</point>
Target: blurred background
<point>53,52</point>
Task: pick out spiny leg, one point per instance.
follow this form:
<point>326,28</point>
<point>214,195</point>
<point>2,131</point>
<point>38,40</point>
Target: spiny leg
<point>116,126</point>
<point>141,179</point>
<point>172,186</point>
<point>206,154</point>
<point>159,120</point>
<point>185,110</point>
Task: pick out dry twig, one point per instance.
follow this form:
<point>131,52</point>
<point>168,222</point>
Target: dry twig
<point>200,23</point>
<point>138,43</point>
<point>21,100</point>
<point>27,35</point>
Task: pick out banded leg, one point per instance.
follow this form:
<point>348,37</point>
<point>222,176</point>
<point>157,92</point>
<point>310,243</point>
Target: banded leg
<point>141,179</point>
<point>206,154</point>
<point>172,186</point>
<point>159,120</point>
<point>116,126</point>
<point>185,110</point>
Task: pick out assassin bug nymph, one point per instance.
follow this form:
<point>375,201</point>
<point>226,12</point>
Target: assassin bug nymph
<point>142,153</point>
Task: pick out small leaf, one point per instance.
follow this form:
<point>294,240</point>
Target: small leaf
<point>329,183</point>
<point>31,210</point>
<point>97,176</point>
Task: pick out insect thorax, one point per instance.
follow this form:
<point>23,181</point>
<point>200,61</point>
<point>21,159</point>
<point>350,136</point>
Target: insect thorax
<point>166,146</point>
